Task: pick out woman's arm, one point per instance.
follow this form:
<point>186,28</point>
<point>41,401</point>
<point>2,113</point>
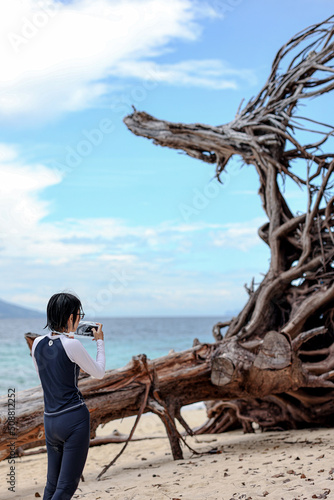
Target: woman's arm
<point>78,354</point>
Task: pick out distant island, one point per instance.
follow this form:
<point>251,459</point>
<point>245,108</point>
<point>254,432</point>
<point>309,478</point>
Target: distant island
<point>8,310</point>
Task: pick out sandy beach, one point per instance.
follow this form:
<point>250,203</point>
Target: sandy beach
<point>278,465</point>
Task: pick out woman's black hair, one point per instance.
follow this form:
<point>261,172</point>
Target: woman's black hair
<point>59,309</point>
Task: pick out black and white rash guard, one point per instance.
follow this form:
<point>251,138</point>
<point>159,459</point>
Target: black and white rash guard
<point>58,360</point>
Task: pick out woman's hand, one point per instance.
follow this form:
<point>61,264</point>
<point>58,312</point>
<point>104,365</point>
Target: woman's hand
<point>98,333</point>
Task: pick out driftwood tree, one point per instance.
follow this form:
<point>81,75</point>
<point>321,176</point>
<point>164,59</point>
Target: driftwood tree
<point>289,318</point>
<point>275,364</point>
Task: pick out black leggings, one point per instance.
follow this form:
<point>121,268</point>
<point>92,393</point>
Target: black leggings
<point>67,441</point>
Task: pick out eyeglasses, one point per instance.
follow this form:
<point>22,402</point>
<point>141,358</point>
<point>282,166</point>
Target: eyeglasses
<point>82,315</point>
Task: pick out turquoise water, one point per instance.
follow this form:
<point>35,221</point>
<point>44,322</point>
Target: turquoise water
<point>124,338</point>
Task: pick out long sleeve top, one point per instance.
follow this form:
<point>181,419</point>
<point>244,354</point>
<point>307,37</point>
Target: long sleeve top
<point>58,360</point>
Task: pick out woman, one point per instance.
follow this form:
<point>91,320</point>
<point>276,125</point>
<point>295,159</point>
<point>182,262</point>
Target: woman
<point>58,357</point>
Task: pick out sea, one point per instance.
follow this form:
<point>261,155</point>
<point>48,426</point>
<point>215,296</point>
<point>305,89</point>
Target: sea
<point>124,338</point>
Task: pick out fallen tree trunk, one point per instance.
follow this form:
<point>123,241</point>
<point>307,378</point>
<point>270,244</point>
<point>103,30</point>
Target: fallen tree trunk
<point>231,371</point>
<point>119,394</point>
<point>296,294</point>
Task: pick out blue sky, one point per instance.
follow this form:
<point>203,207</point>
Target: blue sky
<point>86,206</point>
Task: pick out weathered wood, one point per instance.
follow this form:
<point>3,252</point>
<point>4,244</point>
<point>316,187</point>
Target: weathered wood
<point>222,370</point>
<point>166,384</point>
<point>118,394</point>
<point>296,296</point>
<point>274,353</point>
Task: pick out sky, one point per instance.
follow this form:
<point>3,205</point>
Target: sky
<point>86,206</point>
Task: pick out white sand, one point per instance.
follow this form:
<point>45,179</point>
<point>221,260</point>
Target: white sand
<point>282,465</point>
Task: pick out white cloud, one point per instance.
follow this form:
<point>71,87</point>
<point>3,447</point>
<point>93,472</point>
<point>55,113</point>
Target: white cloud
<point>64,57</point>
<point>24,233</point>
<point>210,73</point>
<point>7,153</point>
<point>239,235</point>
<point>115,267</point>
<point>20,207</point>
